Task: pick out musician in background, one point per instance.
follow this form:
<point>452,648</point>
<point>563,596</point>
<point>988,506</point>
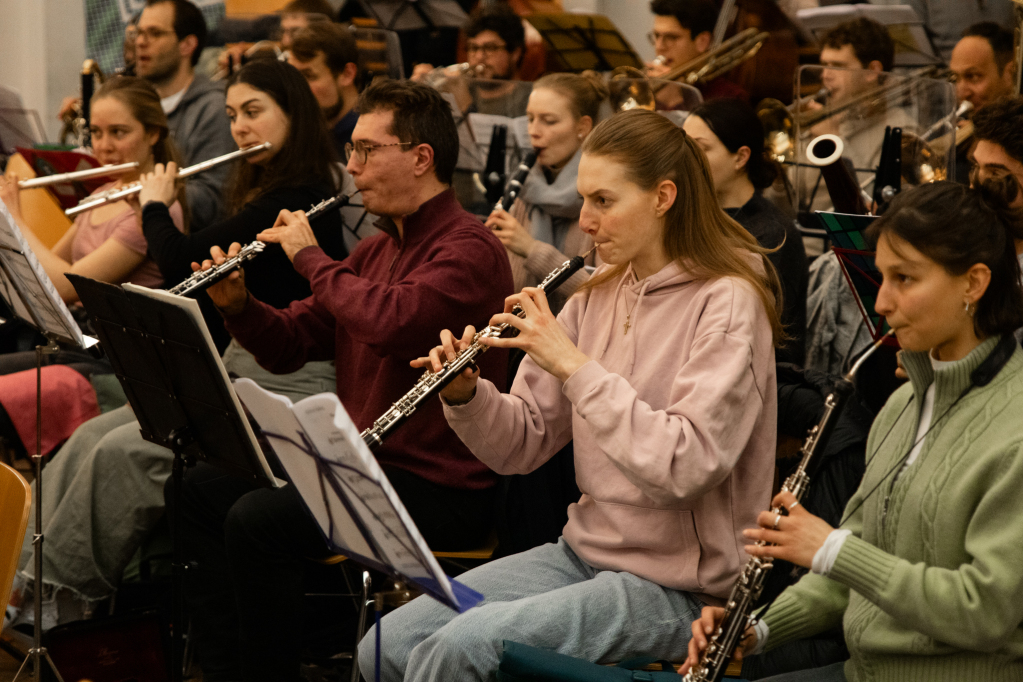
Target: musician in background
<point>661,371</point>
<point>301,14</point>
<point>325,54</point>
<point>434,266</point>
<point>683,30</point>
<point>925,572</point>
<point>542,230</point>
<point>171,36</point>
<point>998,149</point>
<point>105,495</point>
<point>731,136</point>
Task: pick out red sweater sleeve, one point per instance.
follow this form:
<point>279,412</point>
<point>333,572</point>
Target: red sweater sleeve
<point>283,340</point>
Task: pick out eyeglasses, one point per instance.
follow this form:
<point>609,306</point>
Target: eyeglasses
<point>668,39</point>
<point>361,150</point>
<point>486,48</point>
<point>152,33</point>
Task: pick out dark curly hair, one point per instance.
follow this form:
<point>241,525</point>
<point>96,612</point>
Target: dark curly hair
<point>869,39</point>
<point>502,20</point>
<point>999,38</point>
<point>421,116</point>
<point>1001,122</point>
<point>958,226</point>
<point>736,125</point>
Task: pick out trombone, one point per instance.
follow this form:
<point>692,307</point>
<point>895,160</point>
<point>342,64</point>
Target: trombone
<point>117,193</point>
<point>723,58</point>
<point>75,176</point>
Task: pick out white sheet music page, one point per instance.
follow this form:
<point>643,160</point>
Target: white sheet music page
<point>322,421</point>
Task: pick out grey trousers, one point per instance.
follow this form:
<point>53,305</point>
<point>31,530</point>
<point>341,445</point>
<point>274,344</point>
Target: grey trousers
<point>546,597</point>
<point>103,490</point>
<point>829,673</point>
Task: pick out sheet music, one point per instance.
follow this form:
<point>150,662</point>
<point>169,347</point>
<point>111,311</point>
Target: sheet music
<point>191,308</point>
<point>322,422</point>
<point>40,304</point>
<point>483,128</point>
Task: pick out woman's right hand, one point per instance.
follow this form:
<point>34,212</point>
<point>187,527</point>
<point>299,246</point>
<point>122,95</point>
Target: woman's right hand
<point>229,294</point>
<point>462,389</point>
<point>703,628</point>
<point>10,194</point>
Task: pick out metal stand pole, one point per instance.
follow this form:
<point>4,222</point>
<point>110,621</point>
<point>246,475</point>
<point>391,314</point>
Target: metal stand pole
<point>37,653</point>
<point>178,442</point>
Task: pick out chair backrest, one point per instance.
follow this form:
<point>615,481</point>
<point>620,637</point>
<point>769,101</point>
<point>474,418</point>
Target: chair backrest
<point>15,498</point>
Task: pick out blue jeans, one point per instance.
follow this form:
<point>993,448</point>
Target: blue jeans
<point>546,597</point>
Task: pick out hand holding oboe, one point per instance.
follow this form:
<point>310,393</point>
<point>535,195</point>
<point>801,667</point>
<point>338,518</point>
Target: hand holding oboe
<point>292,231</point>
<point>463,387</point>
<point>229,294</point>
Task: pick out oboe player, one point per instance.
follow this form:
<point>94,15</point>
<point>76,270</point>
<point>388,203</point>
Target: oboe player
<point>434,266</point>
<point>925,573</point>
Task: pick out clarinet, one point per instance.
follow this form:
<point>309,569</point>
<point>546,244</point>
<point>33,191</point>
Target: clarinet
<point>511,192</point>
<point>431,384</point>
<point>202,279</point>
<point>738,614</point>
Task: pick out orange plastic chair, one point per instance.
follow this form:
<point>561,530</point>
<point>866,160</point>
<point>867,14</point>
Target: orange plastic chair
<point>15,498</point>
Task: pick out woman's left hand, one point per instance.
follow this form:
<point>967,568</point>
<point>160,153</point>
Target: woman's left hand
<point>10,194</point>
<point>159,185</point>
<point>794,538</point>
<point>511,232</point>
<point>540,335</point>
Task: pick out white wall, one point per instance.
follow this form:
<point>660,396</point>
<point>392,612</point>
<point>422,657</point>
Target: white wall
<point>42,47</point>
<point>632,18</point>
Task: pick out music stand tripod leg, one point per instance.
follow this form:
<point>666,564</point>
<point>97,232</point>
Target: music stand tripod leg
<point>37,653</point>
<point>178,441</point>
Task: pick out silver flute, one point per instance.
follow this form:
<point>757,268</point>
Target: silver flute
<point>202,279</point>
<point>115,194</point>
<point>431,384</point>
<point>738,616</point>
<point>74,176</point>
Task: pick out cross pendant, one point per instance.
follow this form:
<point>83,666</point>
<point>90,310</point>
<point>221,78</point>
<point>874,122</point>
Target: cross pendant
<point>626,326</point>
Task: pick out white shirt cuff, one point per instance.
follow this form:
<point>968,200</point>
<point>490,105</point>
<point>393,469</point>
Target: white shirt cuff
<point>825,557</point>
<point>761,631</point>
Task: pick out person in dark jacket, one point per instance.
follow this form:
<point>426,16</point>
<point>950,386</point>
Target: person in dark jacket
<point>730,134</point>
<point>434,266</point>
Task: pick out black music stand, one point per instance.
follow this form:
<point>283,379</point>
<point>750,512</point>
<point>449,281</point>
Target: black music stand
<point>162,354</point>
<point>30,295</point>
<point>577,42</point>
<point>414,15</point>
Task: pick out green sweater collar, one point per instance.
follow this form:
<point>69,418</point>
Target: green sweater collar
<point>949,382</point>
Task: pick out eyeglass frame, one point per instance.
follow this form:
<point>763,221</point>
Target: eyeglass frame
<point>669,38</point>
<point>367,148</point>
<point>487,49</point>
<point>153,34</point>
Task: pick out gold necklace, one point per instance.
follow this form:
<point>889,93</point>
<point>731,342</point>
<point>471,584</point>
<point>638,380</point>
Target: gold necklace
<point>628,315</point>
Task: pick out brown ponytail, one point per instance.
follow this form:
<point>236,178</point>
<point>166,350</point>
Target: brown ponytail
<point>585,92</point>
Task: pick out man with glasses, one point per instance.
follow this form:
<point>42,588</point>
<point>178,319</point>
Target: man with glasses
<point>683,30</point>
<point>169,39</point>
<point>434,267</point>
<point>998,150</point>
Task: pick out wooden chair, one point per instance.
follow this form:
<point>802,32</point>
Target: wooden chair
<point>15,499</point>
<point>42,212</point>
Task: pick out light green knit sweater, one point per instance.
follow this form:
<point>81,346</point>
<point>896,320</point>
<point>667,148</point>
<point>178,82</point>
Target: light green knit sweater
<point>934,591</point>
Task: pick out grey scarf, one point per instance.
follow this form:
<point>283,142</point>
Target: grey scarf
<point>553,207</point>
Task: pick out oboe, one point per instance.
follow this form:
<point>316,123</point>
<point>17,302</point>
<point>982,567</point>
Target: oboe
<point>738,614</point>
<point>431,384</point>
<point>115,194</point>
<point>202,279</point>
<point>511,192</point>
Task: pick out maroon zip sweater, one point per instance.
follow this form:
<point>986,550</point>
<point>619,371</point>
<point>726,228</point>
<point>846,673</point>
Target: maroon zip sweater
<point>382,307</point>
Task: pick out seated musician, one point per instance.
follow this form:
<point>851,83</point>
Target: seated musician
<point>542,229</point>
<point>170,37</point>
<point>325,54</point>
<point>730,134</point>
<point>434,267</point>
<point>662,372</point>
<point>982,62</point>
<point>925,571</point>
<point>683,30</point>
<point>298,15</point>
<point>105,485</point>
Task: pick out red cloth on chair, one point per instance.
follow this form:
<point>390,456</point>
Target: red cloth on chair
<point>68,401</point>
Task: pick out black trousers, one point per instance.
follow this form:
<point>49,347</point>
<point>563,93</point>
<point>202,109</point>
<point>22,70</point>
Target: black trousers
<point>252,548</point>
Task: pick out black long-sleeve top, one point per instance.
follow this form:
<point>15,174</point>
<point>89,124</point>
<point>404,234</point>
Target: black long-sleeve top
<point>269,276</point>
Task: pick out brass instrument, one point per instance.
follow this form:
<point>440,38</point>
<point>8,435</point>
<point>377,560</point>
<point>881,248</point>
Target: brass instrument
<point>779,123</point>
<point>723,58</point>
<point>118,193</point>
<point>629,88</point>
<point>76,120</point>
<point>442,75</point>
<point>75,176</point>
<point>738,616</point>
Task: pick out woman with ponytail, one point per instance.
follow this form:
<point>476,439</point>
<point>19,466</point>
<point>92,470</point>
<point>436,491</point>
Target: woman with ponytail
<point>925,570</point>
<point>730,134</point>
<point>661,369</point>
<point>542,228</point>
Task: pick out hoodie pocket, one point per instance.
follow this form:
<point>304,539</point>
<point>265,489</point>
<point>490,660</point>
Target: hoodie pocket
<point>691,549</point>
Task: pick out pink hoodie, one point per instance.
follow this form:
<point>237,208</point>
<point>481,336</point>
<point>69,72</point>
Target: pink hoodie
<point>674,426</point>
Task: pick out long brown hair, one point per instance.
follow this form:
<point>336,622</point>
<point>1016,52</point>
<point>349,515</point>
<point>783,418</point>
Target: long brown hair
<point>697,233</point>
<point>585,92</point>
<point>143,102</point>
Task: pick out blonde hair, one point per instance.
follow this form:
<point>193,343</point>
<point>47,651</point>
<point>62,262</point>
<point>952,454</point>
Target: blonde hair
<point>585,92</point>
<point>697,233</point>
